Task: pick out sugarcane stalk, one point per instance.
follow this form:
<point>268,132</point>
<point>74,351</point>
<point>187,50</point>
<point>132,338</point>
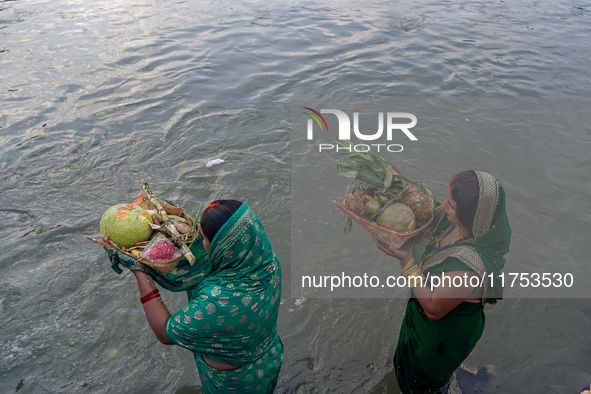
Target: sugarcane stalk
<point>172,231</point>
<point>180,219</point>
<point>196,217</point>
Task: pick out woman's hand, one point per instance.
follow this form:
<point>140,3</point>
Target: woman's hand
<point>155,310</point>
<point>139,274</point>
<point>401,254</point>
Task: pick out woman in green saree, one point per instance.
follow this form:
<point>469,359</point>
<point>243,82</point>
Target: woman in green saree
<point>470,235</point>
<point>230,322</point>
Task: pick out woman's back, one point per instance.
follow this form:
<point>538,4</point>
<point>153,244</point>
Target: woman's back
<point>231,318</point>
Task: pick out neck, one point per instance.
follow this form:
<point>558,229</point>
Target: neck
<point>462,231</point>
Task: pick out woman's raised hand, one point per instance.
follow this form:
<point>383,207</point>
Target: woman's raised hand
<point>401,254</point>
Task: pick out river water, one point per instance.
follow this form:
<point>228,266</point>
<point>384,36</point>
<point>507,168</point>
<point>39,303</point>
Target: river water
<point>98,96</point>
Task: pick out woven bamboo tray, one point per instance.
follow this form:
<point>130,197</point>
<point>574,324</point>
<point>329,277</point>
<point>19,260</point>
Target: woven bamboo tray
<point>164,267</point>
<point>394,239</point>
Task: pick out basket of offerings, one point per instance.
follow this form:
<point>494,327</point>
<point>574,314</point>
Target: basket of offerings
<point>391,207</point>
<point>151,231</point>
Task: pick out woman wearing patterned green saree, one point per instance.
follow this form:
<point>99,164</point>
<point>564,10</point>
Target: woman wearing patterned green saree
<point>230,322</point>
<point>469,237</point>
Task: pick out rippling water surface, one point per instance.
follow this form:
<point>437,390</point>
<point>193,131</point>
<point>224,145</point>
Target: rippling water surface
<point>97,96</point>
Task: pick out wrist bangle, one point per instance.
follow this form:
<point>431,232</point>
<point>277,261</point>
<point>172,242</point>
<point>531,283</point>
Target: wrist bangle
<point>151,298</point>
<point>409,264</point>
<point>414,271</point>
<point>151,295</point>
<point>408,268</point>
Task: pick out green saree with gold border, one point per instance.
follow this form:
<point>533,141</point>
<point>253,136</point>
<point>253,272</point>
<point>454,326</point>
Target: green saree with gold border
<point>429,351</point>
<point>231,317</point>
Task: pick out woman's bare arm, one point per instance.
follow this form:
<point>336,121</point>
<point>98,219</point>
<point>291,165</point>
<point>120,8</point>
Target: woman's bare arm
<point>445,298</point>
<point>155,310</point>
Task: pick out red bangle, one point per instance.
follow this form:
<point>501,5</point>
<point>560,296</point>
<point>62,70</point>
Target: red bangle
<point>151,298</point>
<point>151,295</point>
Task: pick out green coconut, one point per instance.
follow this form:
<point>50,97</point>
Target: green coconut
<point>397,217</point>
<point>126,224</point>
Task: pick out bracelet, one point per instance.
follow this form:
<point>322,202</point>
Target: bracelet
<point>408,269</point>
<point>150,296</point>
<point>415,272</point>
<point>408,265</point>
<point>412,271</point>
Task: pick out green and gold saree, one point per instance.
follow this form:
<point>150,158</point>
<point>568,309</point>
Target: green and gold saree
<point>429,351</point>
<point>234,295</point>
<point>231,317</point>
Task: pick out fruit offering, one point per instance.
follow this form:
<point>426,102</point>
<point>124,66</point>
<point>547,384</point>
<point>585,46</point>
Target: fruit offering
<point>397,217</point>
<point>151,231</point>
<point>420,202</point>
<point>126,224</point>
<point>354,204</point>
<point>387,204</point>
<point>160,249</point>
<point>373,206</point>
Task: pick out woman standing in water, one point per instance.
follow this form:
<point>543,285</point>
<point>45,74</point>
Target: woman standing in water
<point>441,328</point>
<point>230,322</point>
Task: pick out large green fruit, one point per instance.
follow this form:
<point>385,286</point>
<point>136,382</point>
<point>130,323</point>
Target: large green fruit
<point>126,224</point>
<point>397,217</point>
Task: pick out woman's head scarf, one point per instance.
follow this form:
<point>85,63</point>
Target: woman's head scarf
<point>491,230</point>
<point>492,236</point>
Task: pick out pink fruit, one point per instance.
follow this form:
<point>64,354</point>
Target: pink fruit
<point>161,252</point>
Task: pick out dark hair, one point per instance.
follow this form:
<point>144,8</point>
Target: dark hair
<point>465,191</point>
<point>216,214</point>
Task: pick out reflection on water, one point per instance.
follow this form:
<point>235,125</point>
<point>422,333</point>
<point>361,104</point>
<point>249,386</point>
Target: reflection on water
<point>98,96</point>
